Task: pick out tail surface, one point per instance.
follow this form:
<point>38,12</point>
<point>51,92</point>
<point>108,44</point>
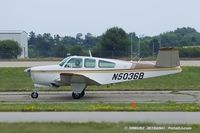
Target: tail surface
<point>168,57</point>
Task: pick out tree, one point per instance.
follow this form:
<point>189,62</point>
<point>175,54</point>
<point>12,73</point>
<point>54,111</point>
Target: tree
<point>9,49</point>
<point>180,37</point>
<point>115,42</point>
<point>79,40</point>
<point>90,41</point>
<point>76,50</point>
<point>57,39</point>
<point>60,50</point>
<point>189,52</point>
<point>154,46</point>
<point>145,51</point>
<point>132,37</point>
<point>32,38</point>
<point>44,45</point>
<point>68,41</point>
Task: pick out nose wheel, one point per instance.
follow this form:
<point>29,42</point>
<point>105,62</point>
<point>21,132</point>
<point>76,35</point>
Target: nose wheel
<point>34,95</point>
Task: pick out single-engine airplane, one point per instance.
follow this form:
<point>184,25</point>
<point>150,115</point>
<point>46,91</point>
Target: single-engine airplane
<point>82,71</point>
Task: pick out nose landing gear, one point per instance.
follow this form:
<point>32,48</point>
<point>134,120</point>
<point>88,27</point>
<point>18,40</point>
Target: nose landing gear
<point>34,95</point>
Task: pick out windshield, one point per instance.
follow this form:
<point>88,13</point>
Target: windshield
<point>63,61</point>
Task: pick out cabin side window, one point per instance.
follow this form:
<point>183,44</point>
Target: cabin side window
<point>106,64</point>
<point>90,63</point>
<point>74,63</point>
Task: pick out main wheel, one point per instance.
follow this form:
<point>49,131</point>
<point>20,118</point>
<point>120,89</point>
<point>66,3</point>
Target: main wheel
<point>34,95</point>
<point>76,95</point>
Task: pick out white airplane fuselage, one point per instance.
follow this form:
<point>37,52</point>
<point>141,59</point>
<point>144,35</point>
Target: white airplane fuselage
<point>82,71</point>
<point>47,76</point>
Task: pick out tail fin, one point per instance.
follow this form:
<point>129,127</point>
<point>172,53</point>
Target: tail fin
<point>168,57</point>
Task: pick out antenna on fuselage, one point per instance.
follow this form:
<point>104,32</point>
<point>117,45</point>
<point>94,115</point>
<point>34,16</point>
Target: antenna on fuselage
<point>139,59</point>
<point>90,53</point>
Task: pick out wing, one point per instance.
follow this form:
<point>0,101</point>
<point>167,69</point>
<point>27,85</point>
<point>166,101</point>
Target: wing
<point>70,78</point>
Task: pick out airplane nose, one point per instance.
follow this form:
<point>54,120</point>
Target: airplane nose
<point>28,70</point>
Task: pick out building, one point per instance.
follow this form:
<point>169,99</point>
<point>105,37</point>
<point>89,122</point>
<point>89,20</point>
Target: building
<point>19,36</point>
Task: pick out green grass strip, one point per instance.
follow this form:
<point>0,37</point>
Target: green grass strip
<point>92,127</point>
<point>33,107</point>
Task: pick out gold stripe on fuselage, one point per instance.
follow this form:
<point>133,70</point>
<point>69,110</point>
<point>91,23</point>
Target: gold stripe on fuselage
<point>104,71</point>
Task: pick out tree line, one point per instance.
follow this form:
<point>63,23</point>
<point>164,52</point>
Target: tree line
<point>115,43</point>
<point>47,45</point>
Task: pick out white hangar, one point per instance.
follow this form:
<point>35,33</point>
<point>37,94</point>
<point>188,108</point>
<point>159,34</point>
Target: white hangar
<point>19,36</point>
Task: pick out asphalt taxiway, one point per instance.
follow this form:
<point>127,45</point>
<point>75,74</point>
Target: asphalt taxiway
<point>105,96</point>
<point>155,117</point>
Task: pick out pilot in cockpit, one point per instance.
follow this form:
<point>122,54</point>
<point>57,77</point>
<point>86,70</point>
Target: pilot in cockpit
<point>77,63</point>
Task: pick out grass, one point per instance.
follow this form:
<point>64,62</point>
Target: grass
<point>15,79</point>
<point>92,127</point>
<point>34,107</point>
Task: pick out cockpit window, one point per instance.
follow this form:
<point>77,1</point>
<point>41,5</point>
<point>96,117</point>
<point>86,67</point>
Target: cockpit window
<point>90,63</point>
<point>63,61</point>
<point>74,63</point>
<point>106,64</point>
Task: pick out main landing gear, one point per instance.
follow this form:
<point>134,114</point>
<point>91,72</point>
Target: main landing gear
<point>78,89</point>
<point>78,95</point>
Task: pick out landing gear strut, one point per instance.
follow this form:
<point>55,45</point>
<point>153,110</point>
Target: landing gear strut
<point>34,95</point>
<point>78,95</point>
<point>78,89</point>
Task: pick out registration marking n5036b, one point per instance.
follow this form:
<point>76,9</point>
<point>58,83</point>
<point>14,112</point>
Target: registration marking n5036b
<point>128,76</point>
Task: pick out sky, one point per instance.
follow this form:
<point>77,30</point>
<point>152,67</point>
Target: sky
<point>69,17</point>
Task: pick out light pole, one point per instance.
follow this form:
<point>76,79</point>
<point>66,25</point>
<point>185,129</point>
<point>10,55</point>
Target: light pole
<point>160,44</point>
<point>139,48</point>
<point>153,50</point>
<point>24,51</point>
<point>131,46</point>
<point>140,36</point>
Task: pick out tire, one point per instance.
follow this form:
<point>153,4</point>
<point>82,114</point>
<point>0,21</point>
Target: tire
<point>34,95</point>
<point>76,95</point>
